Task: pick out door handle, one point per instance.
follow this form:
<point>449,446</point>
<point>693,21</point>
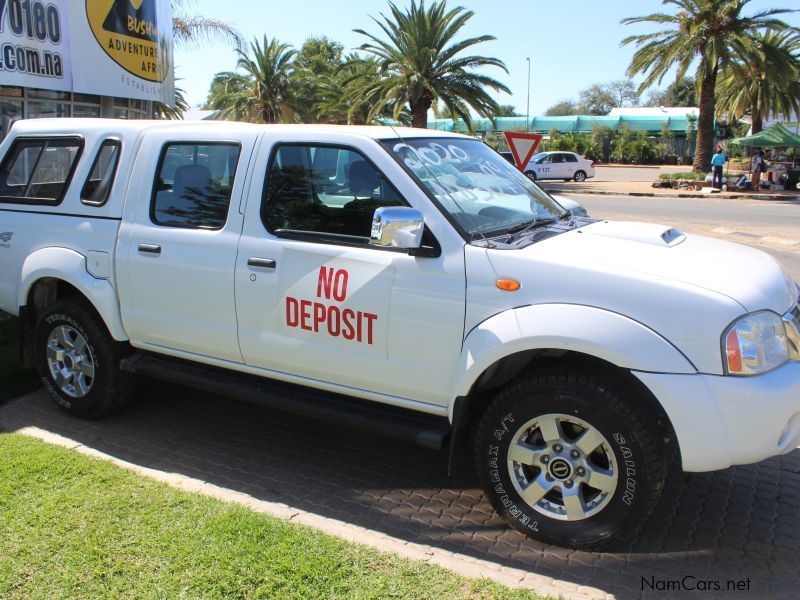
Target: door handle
<point>150,248</point>
<point>261,263</point>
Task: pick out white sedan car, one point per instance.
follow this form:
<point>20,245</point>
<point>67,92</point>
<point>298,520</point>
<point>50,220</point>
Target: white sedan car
<point>559,165</point>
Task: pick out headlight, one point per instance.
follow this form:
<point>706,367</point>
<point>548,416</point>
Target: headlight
<point>755,344</point>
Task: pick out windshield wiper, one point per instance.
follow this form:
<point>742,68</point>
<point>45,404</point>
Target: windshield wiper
<point>528,226</point>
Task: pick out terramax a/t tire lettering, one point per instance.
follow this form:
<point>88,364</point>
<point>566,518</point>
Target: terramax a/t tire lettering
<point>78,360</point>
<point>571,457</point>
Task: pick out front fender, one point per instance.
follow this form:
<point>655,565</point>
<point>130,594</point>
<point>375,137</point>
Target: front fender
<point>600,333</point>
<point>70,266</point>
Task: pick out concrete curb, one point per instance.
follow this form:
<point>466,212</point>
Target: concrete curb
<point>618,166</point>
<point>461,564</point>
<point>773,197</point>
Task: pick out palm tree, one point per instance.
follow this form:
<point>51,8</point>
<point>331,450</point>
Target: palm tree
<point>710,33</point>
<point>340,98</point>
<point>229,94</point>
<point>165,111</point>
<point>263,92</point>
<point>764,82</point>
<point>189,29</point>
<point>419,64</point>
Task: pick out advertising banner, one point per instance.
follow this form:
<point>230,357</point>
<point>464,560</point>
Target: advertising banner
<point>34,44</point>
<point>108,47</point>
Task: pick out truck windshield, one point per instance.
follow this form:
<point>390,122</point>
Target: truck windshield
<point>483,193</point>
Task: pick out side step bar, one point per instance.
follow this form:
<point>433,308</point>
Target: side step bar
<point>425,430</point>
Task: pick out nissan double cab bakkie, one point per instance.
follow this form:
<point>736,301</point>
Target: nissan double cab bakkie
<point>407,282</point>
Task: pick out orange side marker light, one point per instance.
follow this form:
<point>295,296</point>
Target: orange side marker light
<point>507,285</point>
<point>734,354</point>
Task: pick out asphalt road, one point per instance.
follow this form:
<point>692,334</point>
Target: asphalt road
<point>772,226</point>
<point>634,173</point>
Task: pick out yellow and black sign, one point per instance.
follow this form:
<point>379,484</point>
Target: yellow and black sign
<point>129,32</point>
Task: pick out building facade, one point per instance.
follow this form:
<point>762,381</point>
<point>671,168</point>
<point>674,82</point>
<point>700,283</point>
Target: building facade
<point>84,58</point>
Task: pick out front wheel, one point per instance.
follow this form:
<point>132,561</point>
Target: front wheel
<point>78,360</point>
<point>570,457</point>
<point>580,176</point>
<point>531,175</point>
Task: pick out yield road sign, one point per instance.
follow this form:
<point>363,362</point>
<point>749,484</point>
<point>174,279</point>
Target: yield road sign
<point>522,146</point>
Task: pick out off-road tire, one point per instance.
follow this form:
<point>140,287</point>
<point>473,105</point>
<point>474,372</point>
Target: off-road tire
<point>110,387</point>
<point>608,405</point>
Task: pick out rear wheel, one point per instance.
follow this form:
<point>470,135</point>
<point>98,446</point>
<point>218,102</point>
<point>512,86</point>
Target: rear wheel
<point>531,175</point>
<point>580,176</point>
<point>78,360</point>
<point>570,457</point>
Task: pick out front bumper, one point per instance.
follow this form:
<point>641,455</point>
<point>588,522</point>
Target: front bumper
<point>722,420</point>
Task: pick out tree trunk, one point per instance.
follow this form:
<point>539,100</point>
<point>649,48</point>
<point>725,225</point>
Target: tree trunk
<point>266,115</point>
<point>419,110</point>
<point>705,123</point>
<point>758,121</point>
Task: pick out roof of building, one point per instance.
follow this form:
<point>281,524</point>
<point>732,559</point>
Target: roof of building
<point>653,111</point>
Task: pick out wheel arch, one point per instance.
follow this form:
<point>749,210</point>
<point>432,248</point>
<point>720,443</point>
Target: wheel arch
<point>51,274</point>
<point>515,341</point>
<point>467,410</point>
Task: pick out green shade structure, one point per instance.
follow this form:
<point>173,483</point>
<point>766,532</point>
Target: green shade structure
<point>776,136</point>
<point>652,125</point>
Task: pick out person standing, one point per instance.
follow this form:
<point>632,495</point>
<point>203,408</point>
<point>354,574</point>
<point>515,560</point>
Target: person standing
<point>717,162</point>
<point>756,166</point>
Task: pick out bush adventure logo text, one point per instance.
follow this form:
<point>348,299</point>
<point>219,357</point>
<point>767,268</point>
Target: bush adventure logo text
<point>129,32</point>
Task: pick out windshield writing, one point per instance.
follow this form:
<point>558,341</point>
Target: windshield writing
<point>481,191</point>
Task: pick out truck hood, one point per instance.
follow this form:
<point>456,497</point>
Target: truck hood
<point>751,277</point>
<point>686,288</point>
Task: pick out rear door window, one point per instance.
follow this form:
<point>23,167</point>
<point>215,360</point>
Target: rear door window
<point>97,187</point>
<point>193,184</point>
<point>38,170</point>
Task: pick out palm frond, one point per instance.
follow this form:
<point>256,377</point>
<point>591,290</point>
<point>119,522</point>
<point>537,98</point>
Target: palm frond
<point>716,37</point>
<point>263,90</point>
<point>194,30</point>
<point>419,60</point>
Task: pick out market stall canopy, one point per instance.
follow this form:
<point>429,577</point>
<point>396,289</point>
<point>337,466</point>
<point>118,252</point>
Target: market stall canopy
<point>776,136</point>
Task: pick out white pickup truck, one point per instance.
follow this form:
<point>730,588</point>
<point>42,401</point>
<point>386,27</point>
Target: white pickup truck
<point>408,282</point>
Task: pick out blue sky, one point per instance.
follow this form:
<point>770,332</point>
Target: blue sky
<point>572,44</point>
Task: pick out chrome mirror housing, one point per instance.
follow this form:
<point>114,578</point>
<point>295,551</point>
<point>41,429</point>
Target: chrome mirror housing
<point>397,227</point>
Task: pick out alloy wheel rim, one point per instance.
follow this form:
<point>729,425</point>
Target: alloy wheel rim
<point>71,361</point>
<point>562,467</point>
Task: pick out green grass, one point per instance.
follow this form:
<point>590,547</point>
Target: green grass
<point>14,381</point>
<point>77,527</point>
<point>690,175</point>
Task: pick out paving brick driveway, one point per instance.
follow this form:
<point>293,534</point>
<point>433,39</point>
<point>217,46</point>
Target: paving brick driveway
<point>739,523</point>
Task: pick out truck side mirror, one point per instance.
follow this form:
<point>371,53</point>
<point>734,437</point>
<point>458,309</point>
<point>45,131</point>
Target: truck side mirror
<point>397,227</point>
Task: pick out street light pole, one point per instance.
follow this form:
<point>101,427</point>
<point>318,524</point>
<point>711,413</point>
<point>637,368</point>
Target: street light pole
<point>528,107</point>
